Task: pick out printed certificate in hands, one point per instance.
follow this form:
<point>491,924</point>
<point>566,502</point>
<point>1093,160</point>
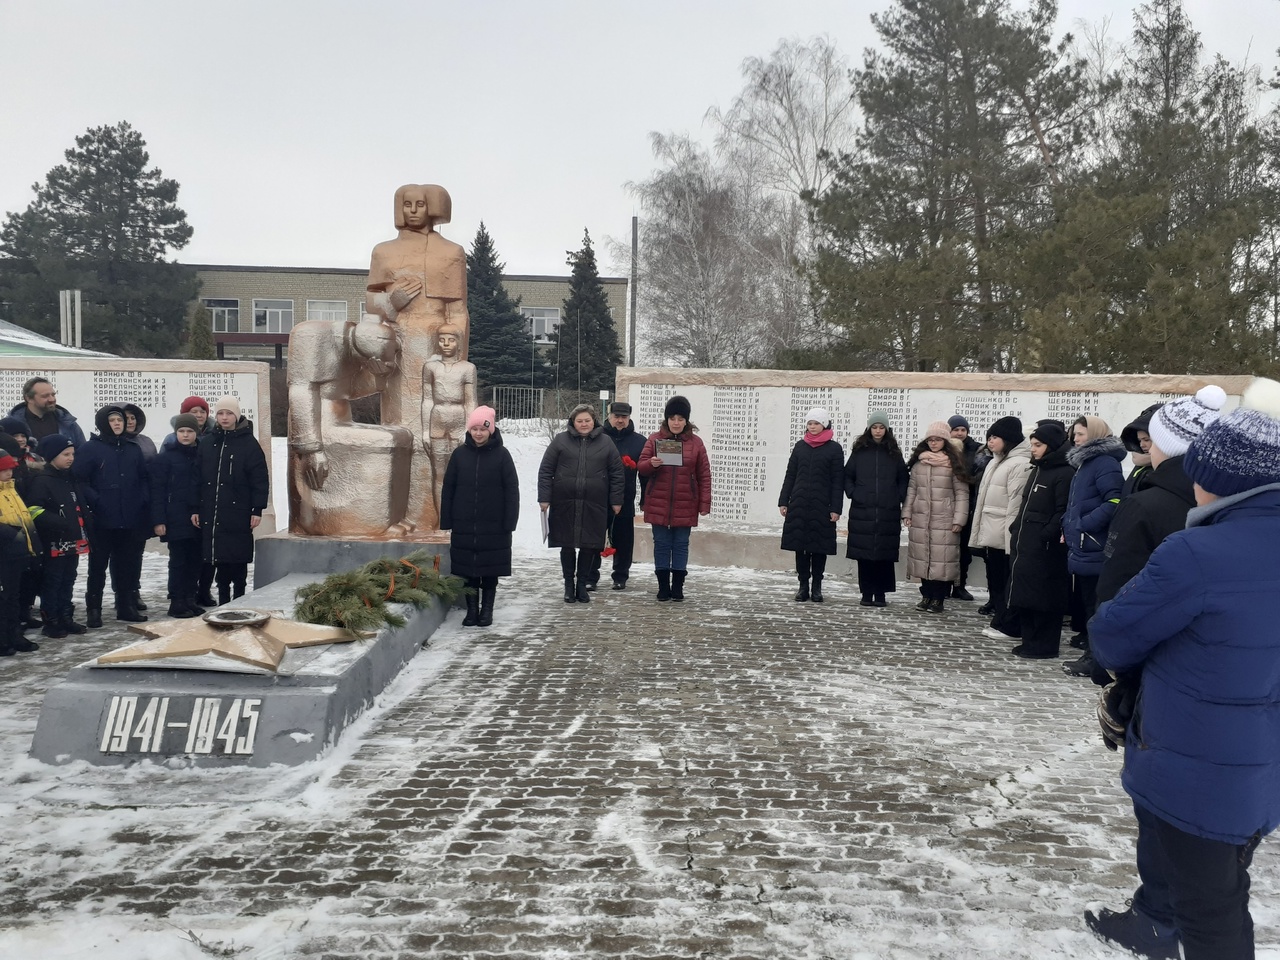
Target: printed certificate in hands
<point>671,452</point>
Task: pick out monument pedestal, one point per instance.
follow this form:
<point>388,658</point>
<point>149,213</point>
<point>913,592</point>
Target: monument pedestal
<point>280,554</point>
<point>208,717</point>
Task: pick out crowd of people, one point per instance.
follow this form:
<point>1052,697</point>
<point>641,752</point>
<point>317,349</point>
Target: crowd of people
<point>63,497</point>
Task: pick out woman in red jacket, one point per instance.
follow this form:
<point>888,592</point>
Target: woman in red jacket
<point>676,495</point>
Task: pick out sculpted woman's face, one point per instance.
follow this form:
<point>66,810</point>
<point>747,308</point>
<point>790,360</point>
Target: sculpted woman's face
<point>584,423</point>
<point>448,345</point>
<point>413,207</point>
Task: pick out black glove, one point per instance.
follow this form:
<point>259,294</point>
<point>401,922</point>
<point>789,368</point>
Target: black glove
<point>1115,710</point>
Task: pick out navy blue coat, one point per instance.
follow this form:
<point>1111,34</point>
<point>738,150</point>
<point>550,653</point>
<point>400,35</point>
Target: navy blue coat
<point>629,444</point>
<point>812,490</point>
<point>480,504</point>
<point>1200,621</point>
<point>64,522</point>
<point>875,481</point>
<point>1095,494</point>
<point>113,474</point>
<point>175,491</point>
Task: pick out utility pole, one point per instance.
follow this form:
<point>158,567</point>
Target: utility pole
<point>635,269</point>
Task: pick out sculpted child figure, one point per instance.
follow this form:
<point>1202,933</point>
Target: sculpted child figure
<point>448,397</point>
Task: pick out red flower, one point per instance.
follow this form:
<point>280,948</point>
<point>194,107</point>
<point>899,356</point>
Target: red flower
<point>608,552</point>
<point>628,462</point>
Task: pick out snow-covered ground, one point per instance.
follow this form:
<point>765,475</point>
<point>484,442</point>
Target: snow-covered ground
<point>72,822</point>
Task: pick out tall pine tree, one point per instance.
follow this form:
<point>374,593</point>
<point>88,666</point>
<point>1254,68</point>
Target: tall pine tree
<point>501,342</point>
<point>587,354</point>
<point>103,223</point>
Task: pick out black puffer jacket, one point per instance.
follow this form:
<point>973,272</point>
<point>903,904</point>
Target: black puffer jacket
<point>875,481</point>
<point>1038,577</point>
<point>234,487</point>
<point>1141,523</point>
<point>175,491</point>
<point>581,477</point>
<point>812,491</point>
<point>480,504</point>
<point>64,522</point>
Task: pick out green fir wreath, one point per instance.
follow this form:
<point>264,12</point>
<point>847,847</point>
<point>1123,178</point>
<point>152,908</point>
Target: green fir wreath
<point>359,599</point>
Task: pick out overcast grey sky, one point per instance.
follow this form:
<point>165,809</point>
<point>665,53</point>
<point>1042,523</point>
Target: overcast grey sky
<point>290,124</point>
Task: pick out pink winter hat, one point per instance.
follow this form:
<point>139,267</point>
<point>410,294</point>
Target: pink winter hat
<point>482,417</point>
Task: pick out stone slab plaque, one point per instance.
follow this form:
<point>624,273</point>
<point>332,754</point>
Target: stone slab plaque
<point>751,419</point>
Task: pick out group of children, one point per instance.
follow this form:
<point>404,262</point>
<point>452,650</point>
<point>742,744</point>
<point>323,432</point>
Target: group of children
<point>202,492</point>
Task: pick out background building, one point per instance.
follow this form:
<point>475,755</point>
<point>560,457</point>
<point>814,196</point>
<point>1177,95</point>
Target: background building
<point>254,308</point>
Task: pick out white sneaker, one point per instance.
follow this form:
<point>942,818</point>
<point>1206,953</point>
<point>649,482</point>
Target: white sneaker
<point>995,634</point>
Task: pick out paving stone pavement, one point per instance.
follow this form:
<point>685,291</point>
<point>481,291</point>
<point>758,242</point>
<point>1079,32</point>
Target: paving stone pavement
<point>737,776</point>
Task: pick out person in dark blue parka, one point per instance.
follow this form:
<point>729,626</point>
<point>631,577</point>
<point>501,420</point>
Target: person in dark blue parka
<point>480,505</point>
<point>812,500</point>
<point>117,487</point>
<point>175,498</point>
<point>1201,760</point>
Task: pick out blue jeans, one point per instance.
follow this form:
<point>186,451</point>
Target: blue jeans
<point>670,547</point>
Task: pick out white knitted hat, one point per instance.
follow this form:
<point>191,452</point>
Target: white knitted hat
<point>1178,422</point>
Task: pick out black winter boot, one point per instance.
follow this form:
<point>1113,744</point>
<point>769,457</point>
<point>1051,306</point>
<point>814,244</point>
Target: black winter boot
<point>75,628</point>
<point>473,610</point>
<point>93,610</point>
<point>194,604</point>
<point>126,611</point>
<point>582,595</point>
<point>54,630</point>
<point>936,605</point>
<point>677,584</point>
<point>137,600</point>
<point>803,593</point>
<point>816,593</point>
<point>664,584</point>
<point>487,594</point>
<point>181,610</point>
<point>224,594</point>
<point>570,591</point>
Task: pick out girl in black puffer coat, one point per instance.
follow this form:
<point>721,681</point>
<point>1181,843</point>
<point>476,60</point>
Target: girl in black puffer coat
<point>1039,584</point>
<point>175,497</point>
<point>811,501</point>
<point>480,504</point>
<point>875,481</point>
<point>234,487</point>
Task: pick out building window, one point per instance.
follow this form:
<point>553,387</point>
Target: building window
<point>543,321</point>
<point>272,316</point>
<point>225,313</point>
<point>326,310</point>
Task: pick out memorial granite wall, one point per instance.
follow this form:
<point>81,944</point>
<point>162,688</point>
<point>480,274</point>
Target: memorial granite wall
<point>750,420</point>
<point>157,386</point>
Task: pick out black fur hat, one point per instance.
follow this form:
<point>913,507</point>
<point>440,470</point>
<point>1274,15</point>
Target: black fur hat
<point>677,406</point>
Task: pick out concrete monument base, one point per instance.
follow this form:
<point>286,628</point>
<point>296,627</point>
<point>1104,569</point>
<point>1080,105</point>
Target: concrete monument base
<point>207,717</point>
<point>280,554</point>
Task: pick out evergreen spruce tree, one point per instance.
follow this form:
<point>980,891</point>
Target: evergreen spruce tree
<point>200,345</point>
<point>586,355</point>
<point>501,341</point>
<point>103,223</point>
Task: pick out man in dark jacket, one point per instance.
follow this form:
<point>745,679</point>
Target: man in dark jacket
<point>622,432</point>
<point>43,415</point>
<point>113,472</point>
<point>1200,759</point>
<point>234,489</point>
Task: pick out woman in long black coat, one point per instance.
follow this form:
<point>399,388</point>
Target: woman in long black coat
<point>234,485</point>
<point>580,482</point>
<point>1039,584</point>
<point>480,504</point>
<point>811,500</point>
<point>875,481</point>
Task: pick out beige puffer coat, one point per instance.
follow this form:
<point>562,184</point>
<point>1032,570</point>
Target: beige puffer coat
<point>937,500</point>
<point>1000,498</point>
